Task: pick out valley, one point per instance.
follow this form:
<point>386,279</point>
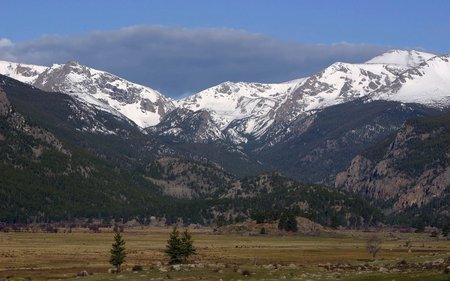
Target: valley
<point>327,256</point>
<point>224,140</point>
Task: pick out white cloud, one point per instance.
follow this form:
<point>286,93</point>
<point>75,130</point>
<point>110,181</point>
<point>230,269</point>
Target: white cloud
<point>5,42</point>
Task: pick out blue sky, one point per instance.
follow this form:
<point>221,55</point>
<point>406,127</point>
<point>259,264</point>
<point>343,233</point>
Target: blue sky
<point>366,27</point>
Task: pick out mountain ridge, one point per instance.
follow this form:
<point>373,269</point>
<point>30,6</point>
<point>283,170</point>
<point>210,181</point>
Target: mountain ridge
<point>257,118</point>
<point>142,105</point>
<point>228,101</point>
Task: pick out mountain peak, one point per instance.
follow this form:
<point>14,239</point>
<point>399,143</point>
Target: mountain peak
<point>406,58</point>
<point>105,91</point>
<point>72,63</point>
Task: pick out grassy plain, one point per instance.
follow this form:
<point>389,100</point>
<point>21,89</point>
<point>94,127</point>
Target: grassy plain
<point>52,256</point>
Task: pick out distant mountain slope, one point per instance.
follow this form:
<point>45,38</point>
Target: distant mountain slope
<point>80,124</point>
<point>249,112</point>
<point>43,179</point>
<point>319,146</point>
<point>141,104</point>
<point>251,103</point>
<point>309,128</point>
<point>428,84</point>
<point>189,179</point>
<point>115,138</point>
<point>266,196</point>
<point>184,125</point>
<point>269,194</point>
<point>407,172</point>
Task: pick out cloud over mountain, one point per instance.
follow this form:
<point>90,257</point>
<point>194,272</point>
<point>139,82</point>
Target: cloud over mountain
<point>177,61</point>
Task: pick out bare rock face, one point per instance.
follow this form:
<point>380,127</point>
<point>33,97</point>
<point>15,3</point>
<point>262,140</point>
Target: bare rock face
<point>378,182</point>
<point>357,173</point>
<point>432,183</point>
<point>414,169</point>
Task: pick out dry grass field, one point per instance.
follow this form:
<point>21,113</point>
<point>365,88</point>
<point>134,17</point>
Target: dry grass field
<point>331,256</point>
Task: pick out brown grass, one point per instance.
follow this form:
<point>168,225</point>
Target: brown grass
<point>62,255</point>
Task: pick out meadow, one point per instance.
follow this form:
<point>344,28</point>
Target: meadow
<point>338,255</point>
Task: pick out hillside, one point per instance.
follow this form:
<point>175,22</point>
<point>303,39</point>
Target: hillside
<point>44,179</point>
<point>228,199</point>
<point>408,173</point>
<point>111,137</point>
<point>267,196</point>
<point>65,171</point>
<point>188,179</point>
<point>325,143</point>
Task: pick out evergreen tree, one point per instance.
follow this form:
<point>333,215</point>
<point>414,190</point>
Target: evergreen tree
<point>288,222</point>
<point>179,249</point>
<point>174,247</point>
<point>445,230</point>
<point>291,223</point>
<point>118,252</point>
<point>187,245</point>
<point>282,221</point>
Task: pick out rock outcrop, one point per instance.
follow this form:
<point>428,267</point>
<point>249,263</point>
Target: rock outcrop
<point>410,170</point>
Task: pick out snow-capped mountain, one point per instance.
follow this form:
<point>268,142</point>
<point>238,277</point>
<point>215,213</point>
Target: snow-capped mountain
<point>26,73</point>
<point>428,84</point>
<point>404,58</point>
<point>242,111</point>
<point>266,111</point>
<point>309,128</point>
<point>338,83</point>
<point>241,108</point>
<point>185,125</point>
<point>143,105</point>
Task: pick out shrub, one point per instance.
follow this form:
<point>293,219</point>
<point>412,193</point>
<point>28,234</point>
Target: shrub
<point>263,231</point>
<point>445,230</point>
<point>94,228</point>
<point>288,222</point>
<point>373,245</point>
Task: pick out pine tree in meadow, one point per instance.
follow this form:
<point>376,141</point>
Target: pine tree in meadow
<point>187,245</point>
<point>179,249</point>
<point>174,247</point>
<point>118,252</point>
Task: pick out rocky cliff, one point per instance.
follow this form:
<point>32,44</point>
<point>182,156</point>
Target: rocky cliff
<point>410,169</point>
